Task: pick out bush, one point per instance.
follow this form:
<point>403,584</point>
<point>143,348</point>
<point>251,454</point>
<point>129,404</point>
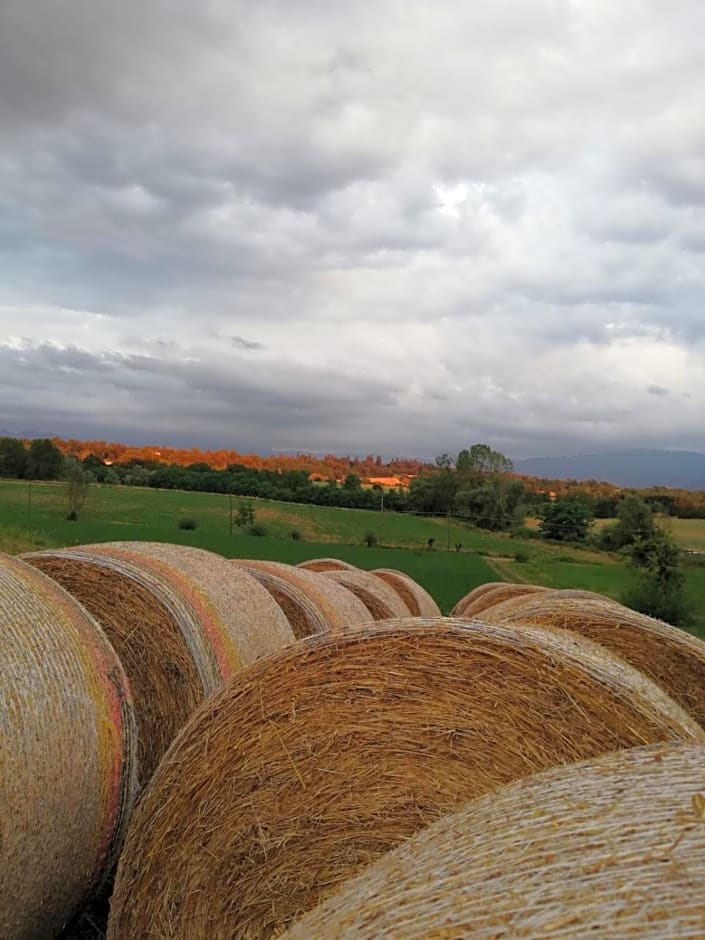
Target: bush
<point>565,520</point>
<point>187,522</point>
<point>658,588</point>
<point>524,532</point>
<point>521,557</point>
<point>369,539</point>
<point>257,529</point>
<point>296,535</point>
<point>667,602</point>
<point>245,515</point>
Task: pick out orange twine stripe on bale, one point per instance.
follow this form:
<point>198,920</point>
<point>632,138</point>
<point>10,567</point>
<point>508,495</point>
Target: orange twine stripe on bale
<point>318,760</point>
<point>670,657</point>
<point>416,598</point>
<point>611,847</point>
<point>69,753</point>
<point>178,638</point>
<point>339,606</point>
<point>326,564</point>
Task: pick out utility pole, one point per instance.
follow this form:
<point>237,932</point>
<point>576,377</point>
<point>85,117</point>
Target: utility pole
<point>448,531</point>
<point>381,509</point>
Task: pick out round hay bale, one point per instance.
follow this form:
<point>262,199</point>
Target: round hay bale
<point>326,564</point>
<point>471,595</point>
<point>379,598</point>
<point>68,756</point>
<point>304,616</point>
<point>416,598</point>
<point>317,761</point>
<point>179,633</point>
<point>339,606</point>
<point>476,606</point>
<point>612,847</point>
<point>672,658</point>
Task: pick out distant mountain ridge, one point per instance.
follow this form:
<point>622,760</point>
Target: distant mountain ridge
<point>638,468</point>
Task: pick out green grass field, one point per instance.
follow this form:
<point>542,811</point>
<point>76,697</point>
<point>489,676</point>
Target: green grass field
<point>33,516</point>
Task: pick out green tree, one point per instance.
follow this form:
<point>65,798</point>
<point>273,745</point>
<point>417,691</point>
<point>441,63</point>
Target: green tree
<point>13,457</point>
<point>565,520</point>
<point>495,504</point>
<point>433,492</point>
<point>44,461</point>
<point>245,515</point>
<point>77,483</point>
<point>635,520</point>
<point>658,588</point>
<point>481,461</point>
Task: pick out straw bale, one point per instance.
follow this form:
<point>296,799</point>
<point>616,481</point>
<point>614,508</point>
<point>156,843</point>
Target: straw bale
<point>416,598</point>
<point>670,657</point>
<point>304,616</point>
<point>68,753</point>
<point>471,595</point>
<point>611,847</point>
<point>339,606</point>
<point>317,761</point>
<point>379,598</point>
<point>326,564</point>
<point>474,605</point>
<point>178,633</point>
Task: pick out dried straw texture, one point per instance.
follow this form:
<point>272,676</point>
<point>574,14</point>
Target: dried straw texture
<point>475,604</point>
<point>339,606</point>
<point>613,847</point>
<point>178,637</point>
<point>416,598</point>
<point>68,758</point>
<point>304,616</point>
<point>317,761</point>
<point>671,657</point>
<point>472,595</point>
<point>237,618</point>
<point>166,686</point>
<point>379,598</point>
<point>326,564</point>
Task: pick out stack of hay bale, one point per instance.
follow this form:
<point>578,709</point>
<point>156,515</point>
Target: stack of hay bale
<point>327,755</point>
<point>322,754</point>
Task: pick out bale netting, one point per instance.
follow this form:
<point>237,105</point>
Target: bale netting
<point>178,632</point>
<point>416,598</point>
<point>68,756</point>
<point>326,564</point>
<point>474,605</point>
<point>318,760</point>
<point>339,606</point>
<point>611,847</point>
<point>670,657</point>
<point>382,601</point>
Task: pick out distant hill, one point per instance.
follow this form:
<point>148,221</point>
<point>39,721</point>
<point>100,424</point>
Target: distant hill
<point>681,469</point>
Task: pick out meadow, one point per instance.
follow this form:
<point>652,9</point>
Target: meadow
<point>34,516</point>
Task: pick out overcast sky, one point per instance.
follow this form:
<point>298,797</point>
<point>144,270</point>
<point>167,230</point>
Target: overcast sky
<point>394,226</point>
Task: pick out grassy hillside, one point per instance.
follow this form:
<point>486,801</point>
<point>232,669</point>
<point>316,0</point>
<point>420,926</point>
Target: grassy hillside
<point>33,516</point>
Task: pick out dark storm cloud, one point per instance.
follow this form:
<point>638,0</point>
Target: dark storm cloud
<point>382,225</point>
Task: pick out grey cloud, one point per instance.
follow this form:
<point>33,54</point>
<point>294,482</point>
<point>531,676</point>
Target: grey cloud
<point>657,390</point>
<point>239,342</point>
<point>393,199</point>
